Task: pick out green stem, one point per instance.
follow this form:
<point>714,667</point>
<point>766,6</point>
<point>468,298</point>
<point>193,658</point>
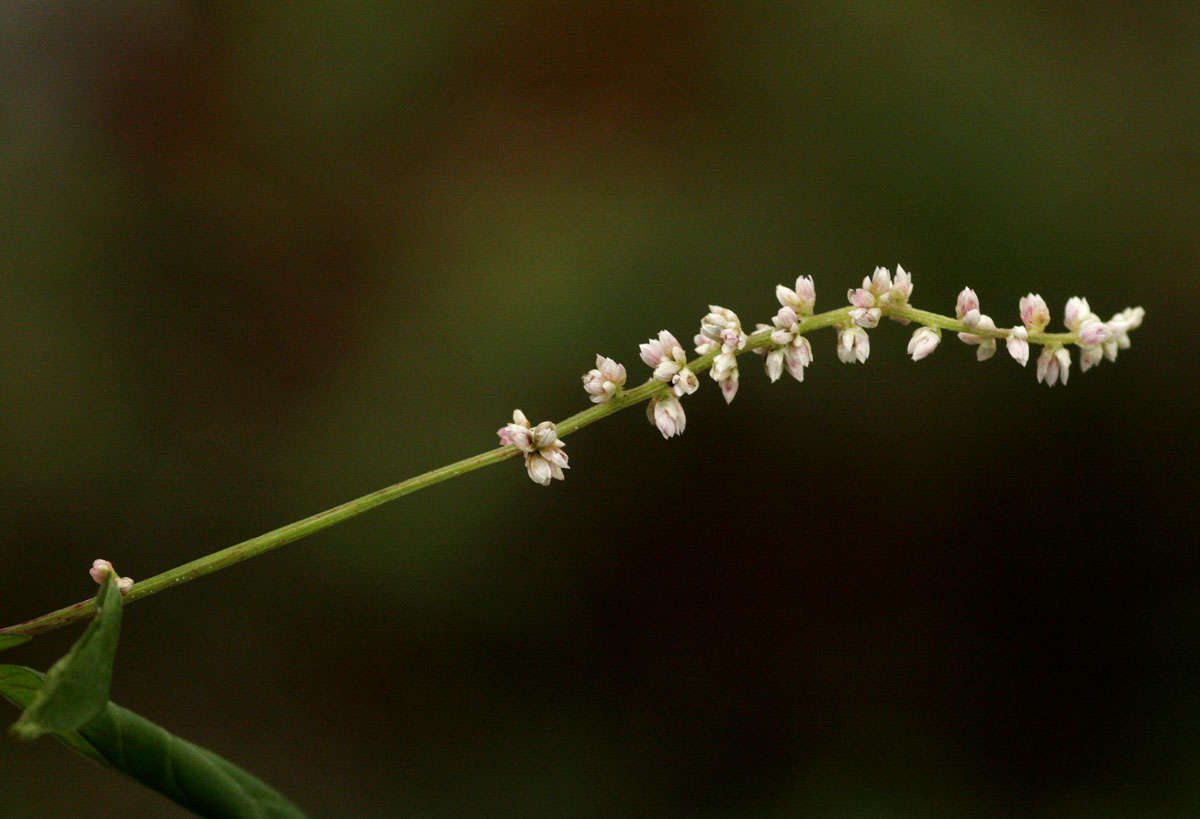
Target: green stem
<point>247,549</point>
<point>904,311</point>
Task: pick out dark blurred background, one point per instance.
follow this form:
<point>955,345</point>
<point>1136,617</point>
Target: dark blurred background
<point>260,258</point>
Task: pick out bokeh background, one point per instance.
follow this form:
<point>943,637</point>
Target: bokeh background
<point>259,258</point>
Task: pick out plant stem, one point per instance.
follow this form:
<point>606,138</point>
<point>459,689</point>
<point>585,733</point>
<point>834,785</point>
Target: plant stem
<point>247,549</point>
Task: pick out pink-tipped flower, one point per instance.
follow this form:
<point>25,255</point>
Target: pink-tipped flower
<point>901,289</point>
<point>853,345</point>
<point>801,299</point>
<point>977,321</point>
<point>1018,345</point>
<point>967,301</point>
<point>665,355</point>
<point>1053,366</point>
<point>799,355</point>
<point>866,313</point>
<point>102,569</point>
<point>879,282</point>
<point>923,342</point>
<point>602,383</point>
<point>666,413</point>
<point>517,433</point>
<point>1035,315</point>
<point>787,325</point>
<point>1093,332</point>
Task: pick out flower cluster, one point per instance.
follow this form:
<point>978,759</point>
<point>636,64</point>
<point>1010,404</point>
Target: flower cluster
<point>544,455</point>
<point>877,292</point>
<point>666,356</point>
<point>102,568</point>
<point>783,345</point>
<point>721,333</point>
<point>788,346</point>
<point>605,381</point>
<point>967,310</point>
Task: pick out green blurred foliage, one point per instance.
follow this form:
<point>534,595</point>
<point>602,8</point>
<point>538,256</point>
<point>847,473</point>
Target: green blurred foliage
<point>261,258</point>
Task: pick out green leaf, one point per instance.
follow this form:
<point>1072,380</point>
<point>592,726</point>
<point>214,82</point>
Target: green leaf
<point>194,777</point>
<point>77,686</point>
<point>20,685</point>
<point>9,640</point>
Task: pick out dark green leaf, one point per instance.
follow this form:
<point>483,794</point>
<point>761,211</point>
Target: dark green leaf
<point>192,776</point>
<point>10,640</point>
<point>77,686</point>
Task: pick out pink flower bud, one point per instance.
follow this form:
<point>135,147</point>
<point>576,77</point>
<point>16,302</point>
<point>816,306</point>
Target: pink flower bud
<point>901,288</point>
<point>1018,345</point>
<point>923,342</point>
<point>967,301</point>
<point>1077,310</point>
<point>880,282</point>
<point>100,570</point>
<point>861,298</point>
<point>806,293</point>
<point>1035,315</point>
<point>666,413</point>
<point>799,356</point>
<point>655,350</point>
<point>1092,332</point>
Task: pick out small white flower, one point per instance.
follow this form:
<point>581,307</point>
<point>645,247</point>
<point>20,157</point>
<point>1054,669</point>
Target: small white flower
<point>685,382</point>
<point>666,413</point>
<point>853,345</point>
<point>1120,325</point>
<point>1053,366</point>
<point>1089,357</point>
<point>605,381</point>
<point>923,342</point>
<point>774,363</point>
<point>977,321</point>
<point>1018,344</point>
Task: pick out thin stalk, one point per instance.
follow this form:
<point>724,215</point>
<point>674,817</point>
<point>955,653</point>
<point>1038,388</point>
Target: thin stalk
<point>253,547</point>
